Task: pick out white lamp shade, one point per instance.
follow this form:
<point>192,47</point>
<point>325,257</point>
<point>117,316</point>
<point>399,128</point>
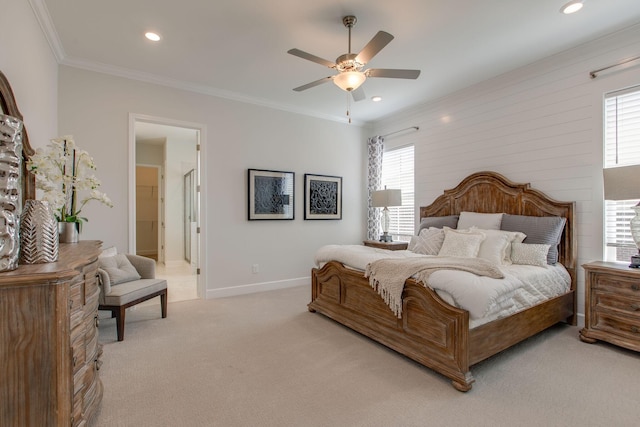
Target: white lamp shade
<point>385,198</point>
<point>349,80</point>
<point>622,183</point>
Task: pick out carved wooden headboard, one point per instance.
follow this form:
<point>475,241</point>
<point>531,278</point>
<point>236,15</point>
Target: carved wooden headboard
<point>490,192</point>
<point>8,106</point>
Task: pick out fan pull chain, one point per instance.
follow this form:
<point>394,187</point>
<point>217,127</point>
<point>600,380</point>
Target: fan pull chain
<point>349,106</point>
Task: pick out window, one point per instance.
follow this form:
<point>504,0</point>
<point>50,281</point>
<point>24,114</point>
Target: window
<point>621,148</point>
<point>397,173</point>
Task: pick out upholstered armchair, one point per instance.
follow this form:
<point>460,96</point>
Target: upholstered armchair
<point>126,280</point>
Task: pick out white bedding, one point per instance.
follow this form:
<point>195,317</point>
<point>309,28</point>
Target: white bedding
<point>485,298</point>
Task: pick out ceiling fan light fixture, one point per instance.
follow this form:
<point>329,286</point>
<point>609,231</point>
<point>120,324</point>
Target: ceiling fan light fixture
<point>572,7</point>
<point>349,80</point>
<point>154,37</point>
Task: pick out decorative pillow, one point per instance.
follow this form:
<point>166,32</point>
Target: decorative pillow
<point>111,251</point>
<point>496,247</point>
<point>529,254</point>
<point>450,221</point>
<point>461,243</point>
<point>119,269</point>
<point>486,221</point>
<point>428,242</point>
<point>545,230</point>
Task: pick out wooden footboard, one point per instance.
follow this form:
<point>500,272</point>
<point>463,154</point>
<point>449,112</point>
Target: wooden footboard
<point>430,331</point>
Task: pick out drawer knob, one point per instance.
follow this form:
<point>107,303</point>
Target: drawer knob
<point>635,287</point>
<point>97,321</point>
<point>75,361</point>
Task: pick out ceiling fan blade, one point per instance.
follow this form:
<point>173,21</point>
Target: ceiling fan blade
<point>304,55</point>
<point>374,46</point>
<point>358,94</point>
<point>392,73</point>
<point>313,84</point>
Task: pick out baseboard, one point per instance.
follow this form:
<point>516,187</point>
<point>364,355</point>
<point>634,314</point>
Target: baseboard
<point>257,287</point>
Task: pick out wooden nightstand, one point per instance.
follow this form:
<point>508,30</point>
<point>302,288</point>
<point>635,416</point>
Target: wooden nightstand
<point>392,246</point>
<point>612,304</point>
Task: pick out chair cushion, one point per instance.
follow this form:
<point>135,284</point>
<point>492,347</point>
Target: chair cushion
<point>119,269</point>
<point>126,292</point>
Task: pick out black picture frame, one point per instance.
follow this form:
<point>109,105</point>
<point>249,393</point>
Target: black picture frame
<point>270,195</point>
<point>322,196</point>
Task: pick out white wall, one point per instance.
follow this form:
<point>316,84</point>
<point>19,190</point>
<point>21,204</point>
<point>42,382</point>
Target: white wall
<point>540,124</point>
<point>95,108</point>
<point>27,62</point>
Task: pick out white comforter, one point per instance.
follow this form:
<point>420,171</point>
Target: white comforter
<point>485,298</point>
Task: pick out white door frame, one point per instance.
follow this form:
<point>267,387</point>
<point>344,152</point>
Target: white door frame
<point>201,178</point>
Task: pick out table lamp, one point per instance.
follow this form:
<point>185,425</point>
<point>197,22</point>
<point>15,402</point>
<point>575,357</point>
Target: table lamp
<point>384,199</point>
<point>623,183</point>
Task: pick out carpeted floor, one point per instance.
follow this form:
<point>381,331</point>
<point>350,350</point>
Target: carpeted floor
<point>264,360</point>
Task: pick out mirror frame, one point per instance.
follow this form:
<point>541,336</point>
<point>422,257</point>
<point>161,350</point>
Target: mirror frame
<point>8,106</point>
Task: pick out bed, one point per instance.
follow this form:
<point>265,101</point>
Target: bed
<point>431,331</point>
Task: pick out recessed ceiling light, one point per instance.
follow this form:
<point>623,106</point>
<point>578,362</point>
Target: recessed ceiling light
<point>376,98</point>
<point>571,7</point>
<point>152,36</point>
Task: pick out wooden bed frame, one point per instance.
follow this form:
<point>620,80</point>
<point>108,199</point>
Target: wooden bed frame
<point>430,331</point>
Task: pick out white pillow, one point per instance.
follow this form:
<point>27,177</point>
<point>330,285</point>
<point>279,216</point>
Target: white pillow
<point>496,247</point>
<point>110,251</point>
<point>119,269</point>
<point>485,221</point>
<point>529,254</point>
<point>428,242</point>
<point>461,243</point>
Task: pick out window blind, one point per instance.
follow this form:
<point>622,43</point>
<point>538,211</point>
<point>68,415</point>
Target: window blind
<point>397,173</point>
<point>621,148</point>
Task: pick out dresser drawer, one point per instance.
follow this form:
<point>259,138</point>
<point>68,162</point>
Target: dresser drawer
<point>79,353</point>
<point>618,325</point>
<point>90,272</point>
<point>617,283</point>
<point>624,304</point>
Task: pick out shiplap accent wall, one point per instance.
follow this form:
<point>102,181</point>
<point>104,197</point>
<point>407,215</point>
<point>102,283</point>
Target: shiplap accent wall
<point>540,124</point>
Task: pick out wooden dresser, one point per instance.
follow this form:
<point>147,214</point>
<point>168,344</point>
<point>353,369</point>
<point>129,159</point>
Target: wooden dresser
<point>49,351</point>
<point>612,304</point>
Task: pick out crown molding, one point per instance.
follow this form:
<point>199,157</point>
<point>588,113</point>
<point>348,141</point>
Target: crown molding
<point>46,24</point>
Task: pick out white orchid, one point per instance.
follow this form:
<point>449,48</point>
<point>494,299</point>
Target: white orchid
<point>62,170</point>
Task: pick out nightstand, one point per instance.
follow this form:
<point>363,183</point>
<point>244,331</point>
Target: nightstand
<point>392,246</point>
<point>612,304</point>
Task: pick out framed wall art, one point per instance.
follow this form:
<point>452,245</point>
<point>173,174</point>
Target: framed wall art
<point>270,194</point>
<point>322,197</point>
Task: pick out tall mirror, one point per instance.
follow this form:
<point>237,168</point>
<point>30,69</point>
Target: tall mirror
<point>8,106</point>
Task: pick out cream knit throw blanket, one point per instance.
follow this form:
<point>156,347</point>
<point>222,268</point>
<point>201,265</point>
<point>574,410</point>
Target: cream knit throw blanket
<point>387,276</point>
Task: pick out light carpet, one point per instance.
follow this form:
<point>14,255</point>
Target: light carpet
<point>264,360</point>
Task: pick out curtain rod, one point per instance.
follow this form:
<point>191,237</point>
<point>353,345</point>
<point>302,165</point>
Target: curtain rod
<point>593,74</point>
<point>401,130</point>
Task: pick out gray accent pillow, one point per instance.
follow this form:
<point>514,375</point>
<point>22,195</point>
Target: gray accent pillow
<point>544,230</point>
<point>450,221</point>
<point>119,269</point>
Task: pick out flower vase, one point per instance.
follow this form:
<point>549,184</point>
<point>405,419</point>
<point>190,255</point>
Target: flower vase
<point>68,232</point>
<point>38,233</point>
<point>10,190</point>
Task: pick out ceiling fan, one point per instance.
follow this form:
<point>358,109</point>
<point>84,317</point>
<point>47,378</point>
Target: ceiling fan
<point>350,65</point>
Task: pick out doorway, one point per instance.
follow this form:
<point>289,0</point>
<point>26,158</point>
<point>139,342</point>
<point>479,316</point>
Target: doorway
<point>165,201</point>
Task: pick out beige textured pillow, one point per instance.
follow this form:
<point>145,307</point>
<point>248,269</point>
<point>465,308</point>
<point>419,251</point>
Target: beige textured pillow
<point>119,269</point>
<point>461,243</point>
<point>529,254</point>
<point>428,242</point>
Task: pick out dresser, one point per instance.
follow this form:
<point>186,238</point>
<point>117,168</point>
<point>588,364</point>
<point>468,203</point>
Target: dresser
<point>49,351</point>
<point>612,304</point>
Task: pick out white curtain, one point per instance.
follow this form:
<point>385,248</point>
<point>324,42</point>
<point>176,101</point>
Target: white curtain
<point>375,146</point>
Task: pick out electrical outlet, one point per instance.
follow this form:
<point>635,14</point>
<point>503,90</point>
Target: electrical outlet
<point>255,268</point>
